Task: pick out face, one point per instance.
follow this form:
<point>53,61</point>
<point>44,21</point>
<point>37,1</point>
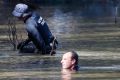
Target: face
<point>67,62</point>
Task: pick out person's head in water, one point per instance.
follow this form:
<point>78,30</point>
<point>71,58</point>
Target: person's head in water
<point>21,11</point>
<point>70,60</point>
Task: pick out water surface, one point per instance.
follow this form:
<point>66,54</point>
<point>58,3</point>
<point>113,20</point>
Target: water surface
<point>91,31</point>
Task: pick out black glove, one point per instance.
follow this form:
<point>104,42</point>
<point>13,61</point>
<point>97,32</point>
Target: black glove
<point>23,43</point>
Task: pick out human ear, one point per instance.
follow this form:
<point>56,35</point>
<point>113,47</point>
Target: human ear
<point>73,61</point>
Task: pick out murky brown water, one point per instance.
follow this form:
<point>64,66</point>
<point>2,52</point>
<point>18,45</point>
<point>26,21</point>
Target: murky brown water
<point>16,66</point>
<point>96,40</point>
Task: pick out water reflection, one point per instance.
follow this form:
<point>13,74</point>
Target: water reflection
<point>67,74</point>
<point>61,22</point>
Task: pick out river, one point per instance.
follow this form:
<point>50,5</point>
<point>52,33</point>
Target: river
<point>91,31</point>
